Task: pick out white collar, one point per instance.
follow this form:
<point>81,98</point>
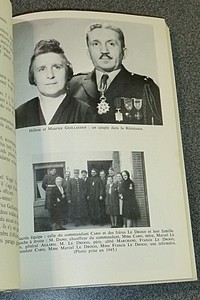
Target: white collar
<point>111,76</point>
<point>49,106</point>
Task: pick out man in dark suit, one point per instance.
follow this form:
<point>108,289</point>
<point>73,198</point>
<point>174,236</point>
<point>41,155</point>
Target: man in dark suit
<point>115,94</point>
<point>103,177</point>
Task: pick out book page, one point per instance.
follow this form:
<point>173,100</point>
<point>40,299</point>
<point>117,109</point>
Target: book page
<point>9,249</point>
<point>101,183</point>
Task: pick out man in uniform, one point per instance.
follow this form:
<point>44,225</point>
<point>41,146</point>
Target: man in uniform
<point>48,183</point>
<point>115,94</point>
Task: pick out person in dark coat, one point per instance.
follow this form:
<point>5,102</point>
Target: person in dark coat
<point>94,196</point>
<point>112,201</point>
<point>48,183</point>
<point>78,190</point>
<point>103,177</point>
<point>67,188</point>
<point>115,94</point>
<point>84,176</point>
<point>58,205</point>
<point>66,183</point>
<point>111,173</point>
<point>119,181</point>
<point>51,71</point>
<point>130,209</point>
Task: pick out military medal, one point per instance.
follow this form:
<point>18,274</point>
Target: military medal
<point>118,115</point>
<point>118,105</point>
<point>103,107</point>
<point>138,106</point>
<point>128,104</point>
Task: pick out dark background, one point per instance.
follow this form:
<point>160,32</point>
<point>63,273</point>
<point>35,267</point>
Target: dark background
<point>183,19</point>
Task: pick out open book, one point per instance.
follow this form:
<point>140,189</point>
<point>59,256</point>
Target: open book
<point>92,181</point>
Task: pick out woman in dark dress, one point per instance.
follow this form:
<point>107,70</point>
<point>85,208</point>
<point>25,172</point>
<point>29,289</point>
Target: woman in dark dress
<point>58,206</point>
<point>50,71</point>
<point>112,201</point>
<point>130,209</point>
<point>119,181</point>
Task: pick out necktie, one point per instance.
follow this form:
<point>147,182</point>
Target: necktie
<point>103,83</point>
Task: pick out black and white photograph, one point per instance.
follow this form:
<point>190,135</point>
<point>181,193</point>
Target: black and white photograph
<point>93,181</point>
<point>86,71</point>
<point>100,190</point>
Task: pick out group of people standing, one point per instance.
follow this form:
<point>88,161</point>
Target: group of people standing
<point>83,200</point>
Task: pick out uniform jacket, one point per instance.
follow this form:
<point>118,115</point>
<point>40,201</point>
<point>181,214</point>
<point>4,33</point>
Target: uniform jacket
<point>124,90</point>
<point>47,184</point>
<point>78,190</point>
<point>69,111</point>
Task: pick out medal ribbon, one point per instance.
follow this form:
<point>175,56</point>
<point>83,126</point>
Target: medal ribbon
<point>103,107</point>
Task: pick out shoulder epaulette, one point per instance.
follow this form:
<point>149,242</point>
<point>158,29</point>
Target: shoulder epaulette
<point>142,77</point>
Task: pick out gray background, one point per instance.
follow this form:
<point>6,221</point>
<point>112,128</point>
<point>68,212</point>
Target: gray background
<point>183,19</point>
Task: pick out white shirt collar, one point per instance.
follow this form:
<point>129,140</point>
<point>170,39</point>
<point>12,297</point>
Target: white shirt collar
<point>111,75</point>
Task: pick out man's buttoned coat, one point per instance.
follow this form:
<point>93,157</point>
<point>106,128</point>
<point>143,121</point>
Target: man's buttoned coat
<point>123,95</point>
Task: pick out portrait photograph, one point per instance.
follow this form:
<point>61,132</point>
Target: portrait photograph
<point>82,69</point>
<point>99,190</point>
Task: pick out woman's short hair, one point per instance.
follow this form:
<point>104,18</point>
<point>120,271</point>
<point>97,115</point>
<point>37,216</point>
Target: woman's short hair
<point>58,178</point>
<point>49,46</point>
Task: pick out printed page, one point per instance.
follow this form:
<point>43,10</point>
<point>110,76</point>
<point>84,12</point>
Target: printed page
<point>9,249</point>
<point>102,190</point>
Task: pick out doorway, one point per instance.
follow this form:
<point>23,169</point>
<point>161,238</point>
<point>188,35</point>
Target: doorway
<point>99,165</point>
